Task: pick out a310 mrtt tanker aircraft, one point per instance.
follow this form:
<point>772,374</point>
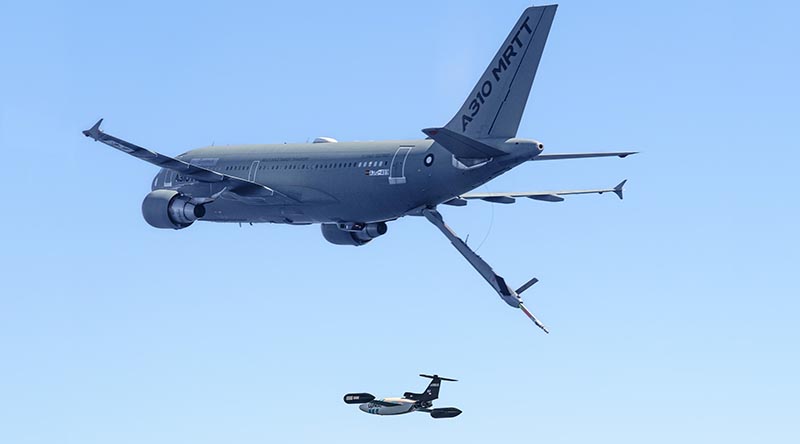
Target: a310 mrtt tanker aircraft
<point>353,189</point>
<point>410,402</point>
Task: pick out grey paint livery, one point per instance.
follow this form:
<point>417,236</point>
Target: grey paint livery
<point>354,188</point>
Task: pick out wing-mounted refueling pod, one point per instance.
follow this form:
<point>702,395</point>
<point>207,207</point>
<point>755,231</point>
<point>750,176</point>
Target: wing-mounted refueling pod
<point>358,398</point>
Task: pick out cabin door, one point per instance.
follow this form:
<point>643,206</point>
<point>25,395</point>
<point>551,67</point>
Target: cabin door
<point>397,171</point>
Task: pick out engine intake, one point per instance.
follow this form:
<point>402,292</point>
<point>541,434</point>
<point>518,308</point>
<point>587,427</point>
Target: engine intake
<point>170,209</point>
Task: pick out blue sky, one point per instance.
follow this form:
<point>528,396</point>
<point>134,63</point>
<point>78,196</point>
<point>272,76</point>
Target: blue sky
<point>673,312</point>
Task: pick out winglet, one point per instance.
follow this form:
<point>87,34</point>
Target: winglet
<point>618,189</point>
<point>94,132</point>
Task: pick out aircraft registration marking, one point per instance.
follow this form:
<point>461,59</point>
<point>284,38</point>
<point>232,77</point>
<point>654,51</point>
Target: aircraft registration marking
<point>381,172</point>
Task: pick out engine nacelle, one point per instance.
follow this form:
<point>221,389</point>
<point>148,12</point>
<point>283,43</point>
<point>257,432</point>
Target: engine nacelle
<point>353,233</point>
<point>170,209</point>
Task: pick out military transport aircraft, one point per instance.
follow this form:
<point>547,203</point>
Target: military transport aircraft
<point>354,188</point>
<point>410,402</point>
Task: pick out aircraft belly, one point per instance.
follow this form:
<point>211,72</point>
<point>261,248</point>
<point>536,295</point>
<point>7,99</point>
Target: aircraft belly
<point>350,210</point>
<point>367,200</point>
<point>373,203</point>
<point>328,198</point>
<point>395,410</point>
<point>223,210</point>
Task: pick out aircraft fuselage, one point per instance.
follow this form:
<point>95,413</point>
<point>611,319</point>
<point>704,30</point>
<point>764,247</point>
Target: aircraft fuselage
<point>336,182</point>
<point>403,406</point>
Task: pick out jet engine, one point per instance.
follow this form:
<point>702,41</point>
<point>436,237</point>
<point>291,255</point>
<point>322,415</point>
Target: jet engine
<point>170,209</point>
<point>352,233</point>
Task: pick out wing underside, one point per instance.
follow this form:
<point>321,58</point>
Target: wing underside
<point>546,196</point>
<point>620,154</point>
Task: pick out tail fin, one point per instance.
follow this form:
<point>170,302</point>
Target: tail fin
<point>432,392</point>
<point>495,106</point>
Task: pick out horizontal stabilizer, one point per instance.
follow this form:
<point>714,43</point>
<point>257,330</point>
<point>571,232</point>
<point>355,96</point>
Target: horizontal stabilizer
<point>620,154</point>
<point>462,146</point>
<point>527,285</point>
<point>438,377</point>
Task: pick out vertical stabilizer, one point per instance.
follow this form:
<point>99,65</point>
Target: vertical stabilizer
<point>431,392</point>
<point>495,106</point>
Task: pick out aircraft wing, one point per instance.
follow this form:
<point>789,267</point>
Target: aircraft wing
<point>620,154</point>
<point>547,196</point>
<point>242,187</point>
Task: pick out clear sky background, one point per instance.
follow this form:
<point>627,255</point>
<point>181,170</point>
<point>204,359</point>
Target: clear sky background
<point>673,313</point>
